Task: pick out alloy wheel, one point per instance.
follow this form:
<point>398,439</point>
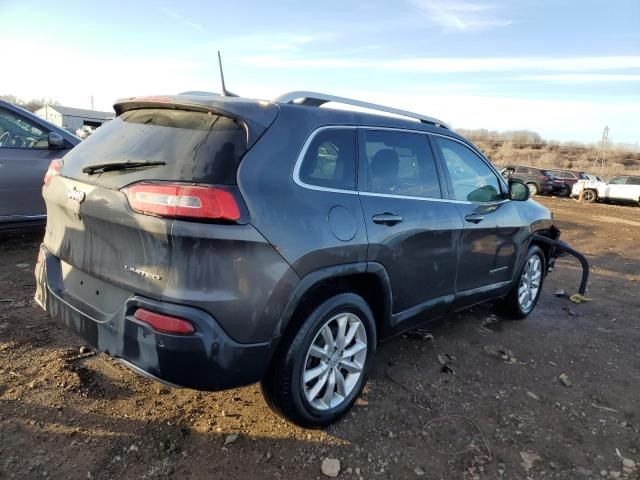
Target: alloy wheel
<point>335,361</point>
<point>530,283</point>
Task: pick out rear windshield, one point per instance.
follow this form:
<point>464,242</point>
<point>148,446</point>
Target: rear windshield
<point>196,147</point>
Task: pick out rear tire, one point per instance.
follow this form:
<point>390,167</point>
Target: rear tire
<point>589,196</point>
<point>533,188</point>
<point>525,292</point>
<point>314,379</point>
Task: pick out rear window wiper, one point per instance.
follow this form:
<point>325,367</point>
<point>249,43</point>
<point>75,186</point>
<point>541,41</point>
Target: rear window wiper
<point>106,167</point>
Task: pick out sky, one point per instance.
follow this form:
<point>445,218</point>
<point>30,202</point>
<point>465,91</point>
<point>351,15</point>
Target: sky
<point>562,68</point>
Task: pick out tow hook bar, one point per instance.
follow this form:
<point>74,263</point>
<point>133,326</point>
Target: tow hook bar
<point>563,247</point>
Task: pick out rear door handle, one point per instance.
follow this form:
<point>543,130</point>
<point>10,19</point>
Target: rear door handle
<point>386,218</point>
<point>474,218</point>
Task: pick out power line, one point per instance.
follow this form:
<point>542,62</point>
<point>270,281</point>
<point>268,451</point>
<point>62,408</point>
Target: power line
<point>601,155</point>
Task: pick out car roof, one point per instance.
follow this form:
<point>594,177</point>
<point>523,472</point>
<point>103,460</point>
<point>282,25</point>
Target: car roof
<point>261,112</point>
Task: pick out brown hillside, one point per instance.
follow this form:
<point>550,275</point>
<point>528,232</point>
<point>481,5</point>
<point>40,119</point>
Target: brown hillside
<point>528,148</point>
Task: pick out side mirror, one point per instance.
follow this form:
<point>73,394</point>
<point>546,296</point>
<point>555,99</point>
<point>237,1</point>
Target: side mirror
<point>518,191</point>
<point>56,142</point>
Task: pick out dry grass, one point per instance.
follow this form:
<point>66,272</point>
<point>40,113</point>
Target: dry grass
<point>528,148</point>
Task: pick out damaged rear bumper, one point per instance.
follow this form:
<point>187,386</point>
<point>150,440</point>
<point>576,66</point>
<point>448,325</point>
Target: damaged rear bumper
<point>208,359</point>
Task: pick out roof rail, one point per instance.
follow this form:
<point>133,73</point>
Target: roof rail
<point>315,99</point>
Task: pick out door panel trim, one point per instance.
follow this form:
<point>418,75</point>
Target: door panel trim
<point>416,310</point>
<point>428,199</point>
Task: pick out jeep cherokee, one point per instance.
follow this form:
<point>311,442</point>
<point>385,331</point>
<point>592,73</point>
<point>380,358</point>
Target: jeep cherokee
<point>211,242</point>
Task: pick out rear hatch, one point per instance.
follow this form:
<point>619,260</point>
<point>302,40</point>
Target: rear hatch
<point>112,202</point>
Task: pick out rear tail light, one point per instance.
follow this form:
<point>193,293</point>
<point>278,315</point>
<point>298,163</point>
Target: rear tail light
<point>53,171</point>
<point>183,201</point>
<point>164,323</point>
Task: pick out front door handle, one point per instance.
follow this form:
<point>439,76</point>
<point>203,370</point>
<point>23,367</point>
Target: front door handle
<point>474,218</point>
<point>386,218</point>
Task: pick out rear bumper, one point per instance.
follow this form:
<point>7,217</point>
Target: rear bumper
<point>206,360</point>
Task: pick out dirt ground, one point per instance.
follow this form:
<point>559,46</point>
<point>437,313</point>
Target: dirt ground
<point>496,408</point>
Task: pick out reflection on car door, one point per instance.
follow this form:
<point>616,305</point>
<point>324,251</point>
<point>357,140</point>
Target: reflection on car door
<point>24,159</point>
<point>488,250</point>
<point>411,231</point>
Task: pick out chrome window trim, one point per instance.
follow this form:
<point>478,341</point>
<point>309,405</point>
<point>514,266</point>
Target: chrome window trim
<point>303,153</point>
<point>312,135</point>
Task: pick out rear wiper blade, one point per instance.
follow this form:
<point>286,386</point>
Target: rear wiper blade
<point>106,167</point>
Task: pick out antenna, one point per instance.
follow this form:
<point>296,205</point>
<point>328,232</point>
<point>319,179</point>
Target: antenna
<point>225,92</point>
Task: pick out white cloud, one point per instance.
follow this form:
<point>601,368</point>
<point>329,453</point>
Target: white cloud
<point>573,78</point>
<point>461,16</point>
<point>107,78</point>
<point>450,64</point>
<point>193,25</point>
<point>580,120</point>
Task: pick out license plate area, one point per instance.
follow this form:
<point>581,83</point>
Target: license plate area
<point>102,296</point>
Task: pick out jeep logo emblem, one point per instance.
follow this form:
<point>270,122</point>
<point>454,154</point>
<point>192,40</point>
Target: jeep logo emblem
<point>77,195</point>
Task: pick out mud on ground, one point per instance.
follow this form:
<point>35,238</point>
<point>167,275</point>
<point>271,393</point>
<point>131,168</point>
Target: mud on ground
<point>496,408</point>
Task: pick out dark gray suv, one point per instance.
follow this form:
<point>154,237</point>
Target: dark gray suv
<point>211,242</point>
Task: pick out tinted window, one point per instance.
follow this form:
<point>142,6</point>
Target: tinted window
<point>195,147</point>
<point>472,179</point>
<point>18,132</point>
<point>633,181</point>
<point>618,181</point>
<point>400,163</point>
<point>330,160</point>
<point>522,170</point>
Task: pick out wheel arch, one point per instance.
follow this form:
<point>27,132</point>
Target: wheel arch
<point>551,232</point>
<point>366,279</point>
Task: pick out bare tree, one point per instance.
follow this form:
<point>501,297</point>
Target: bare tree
<point>31,105</point>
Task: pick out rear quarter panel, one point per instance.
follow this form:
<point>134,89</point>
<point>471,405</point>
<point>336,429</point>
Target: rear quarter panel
<point>297,220</point>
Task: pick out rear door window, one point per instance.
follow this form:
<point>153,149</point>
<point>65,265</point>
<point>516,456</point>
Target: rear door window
<point>633,181</point>
<point>330,159</point>
<point>400,163</point>
<point>199,147</point>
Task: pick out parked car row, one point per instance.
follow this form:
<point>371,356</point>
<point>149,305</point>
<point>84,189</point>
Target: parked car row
<point>546,181</point>
<point>624,188</point>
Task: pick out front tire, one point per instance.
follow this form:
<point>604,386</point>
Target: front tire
<point>320,370</point>
<point>589,196</point>
<point>524,294</point>
<point>533,188</point>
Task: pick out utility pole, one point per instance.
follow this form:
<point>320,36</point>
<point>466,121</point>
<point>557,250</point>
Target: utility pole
<point>92,107</point>
<point>600,156</point>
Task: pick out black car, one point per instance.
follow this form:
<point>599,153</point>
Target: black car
<point>539,181</point>
<point>28,144</point>
<point>211,242</point>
